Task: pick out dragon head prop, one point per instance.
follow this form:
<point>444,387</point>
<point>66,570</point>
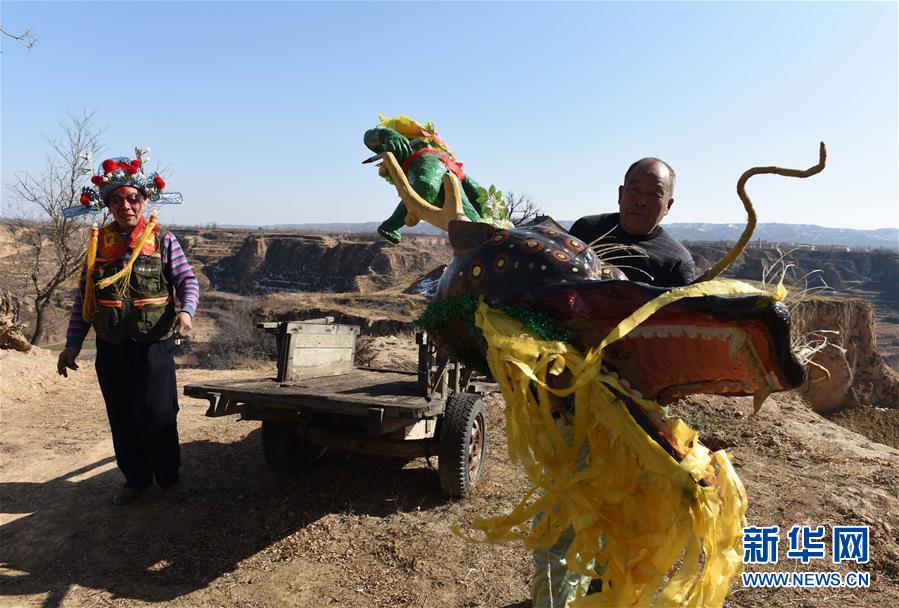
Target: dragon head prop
<point>734,343</point>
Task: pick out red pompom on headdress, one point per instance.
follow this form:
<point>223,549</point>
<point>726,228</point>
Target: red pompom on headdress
<point>123,171</point>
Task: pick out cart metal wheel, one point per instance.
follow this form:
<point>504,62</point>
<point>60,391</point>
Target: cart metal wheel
<point>462,445</point>
<point>284,449</point>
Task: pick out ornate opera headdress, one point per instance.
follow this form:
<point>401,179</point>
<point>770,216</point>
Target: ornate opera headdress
<point>121,171</point>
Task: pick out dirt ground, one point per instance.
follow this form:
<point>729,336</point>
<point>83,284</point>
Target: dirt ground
<point>357,531</point>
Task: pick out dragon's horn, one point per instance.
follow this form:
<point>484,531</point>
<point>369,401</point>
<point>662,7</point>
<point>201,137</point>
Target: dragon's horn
<point>419,207</point>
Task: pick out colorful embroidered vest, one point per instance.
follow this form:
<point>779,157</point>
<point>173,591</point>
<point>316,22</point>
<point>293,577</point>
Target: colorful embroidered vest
<point>144,310</point>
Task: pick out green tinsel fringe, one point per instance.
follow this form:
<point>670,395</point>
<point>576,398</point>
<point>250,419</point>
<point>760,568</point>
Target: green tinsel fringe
<point>538,323</point>
<point>437,316</point>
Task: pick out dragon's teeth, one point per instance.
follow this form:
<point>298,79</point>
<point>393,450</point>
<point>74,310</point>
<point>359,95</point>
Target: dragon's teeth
<point>678,331</point>
<point>758,399</point>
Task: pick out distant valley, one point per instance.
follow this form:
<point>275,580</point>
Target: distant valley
<point>799,234</point>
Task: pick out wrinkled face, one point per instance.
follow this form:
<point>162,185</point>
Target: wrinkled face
<point>126,205</point>
<point>645,198</point>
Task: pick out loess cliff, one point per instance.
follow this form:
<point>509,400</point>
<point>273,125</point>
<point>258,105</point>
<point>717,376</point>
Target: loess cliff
<point>324,263</point>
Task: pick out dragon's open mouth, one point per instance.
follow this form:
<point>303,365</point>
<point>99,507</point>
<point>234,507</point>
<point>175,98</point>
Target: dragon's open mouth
<point>724,345</point>
<point>667,359</point>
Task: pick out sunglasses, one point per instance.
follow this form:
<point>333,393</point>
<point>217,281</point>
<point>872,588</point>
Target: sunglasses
<point>117,199</point>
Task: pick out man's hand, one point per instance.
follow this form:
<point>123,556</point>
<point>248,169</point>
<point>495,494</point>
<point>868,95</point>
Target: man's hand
<point>66,360</point>
<point>183,323</point>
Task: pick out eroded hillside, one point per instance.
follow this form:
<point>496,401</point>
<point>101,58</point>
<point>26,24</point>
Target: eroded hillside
<point>267,263</point>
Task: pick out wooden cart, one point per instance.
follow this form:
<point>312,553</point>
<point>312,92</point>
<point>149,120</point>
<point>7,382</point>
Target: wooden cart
<point>321,400</point>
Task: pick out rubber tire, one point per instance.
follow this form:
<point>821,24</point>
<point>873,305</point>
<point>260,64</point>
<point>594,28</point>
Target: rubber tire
<point>463,411</point>
<point>284,450</point>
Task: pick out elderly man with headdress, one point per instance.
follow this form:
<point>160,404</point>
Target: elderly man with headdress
<point>127,293</point>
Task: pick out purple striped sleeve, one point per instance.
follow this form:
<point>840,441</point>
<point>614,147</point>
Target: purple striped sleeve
<point>78,327</point>
<point>180,275</point>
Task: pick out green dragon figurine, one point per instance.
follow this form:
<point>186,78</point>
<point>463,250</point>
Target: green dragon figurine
<point>425,159</point>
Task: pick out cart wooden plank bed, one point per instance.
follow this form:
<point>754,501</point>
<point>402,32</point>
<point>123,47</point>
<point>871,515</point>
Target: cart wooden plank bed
<point>320,400</point>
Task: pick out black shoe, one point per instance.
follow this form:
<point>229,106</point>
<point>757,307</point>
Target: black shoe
<point>177,492</point>
<point>126,495</point>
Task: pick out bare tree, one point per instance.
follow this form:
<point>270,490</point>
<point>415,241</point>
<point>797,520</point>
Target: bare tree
<point>51,246</point>
<point>522,208</point>
<point>25,38</point>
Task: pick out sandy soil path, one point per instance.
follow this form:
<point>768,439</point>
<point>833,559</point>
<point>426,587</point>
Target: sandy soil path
<point>354,531</point>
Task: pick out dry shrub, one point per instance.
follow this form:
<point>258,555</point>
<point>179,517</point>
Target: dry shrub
<point>365,350</point>
<point>11,336</point>
<point>238,340</point>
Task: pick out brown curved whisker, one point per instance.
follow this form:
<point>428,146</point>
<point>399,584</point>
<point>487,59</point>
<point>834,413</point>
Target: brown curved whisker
<point>738,248</point>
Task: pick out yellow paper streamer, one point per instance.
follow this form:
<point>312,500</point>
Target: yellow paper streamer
<point>667,539</point>
<point>89,302</point>
<point>123,277</point>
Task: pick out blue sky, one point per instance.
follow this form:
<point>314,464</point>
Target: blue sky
<point>258,109</point>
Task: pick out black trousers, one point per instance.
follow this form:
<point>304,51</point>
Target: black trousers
<point>137,380</point>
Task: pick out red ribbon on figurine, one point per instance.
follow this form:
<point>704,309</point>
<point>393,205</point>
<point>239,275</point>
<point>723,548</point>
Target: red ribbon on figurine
<point>452,165</point>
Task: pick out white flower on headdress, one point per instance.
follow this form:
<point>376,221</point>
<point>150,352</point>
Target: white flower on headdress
<point>139,154</point>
